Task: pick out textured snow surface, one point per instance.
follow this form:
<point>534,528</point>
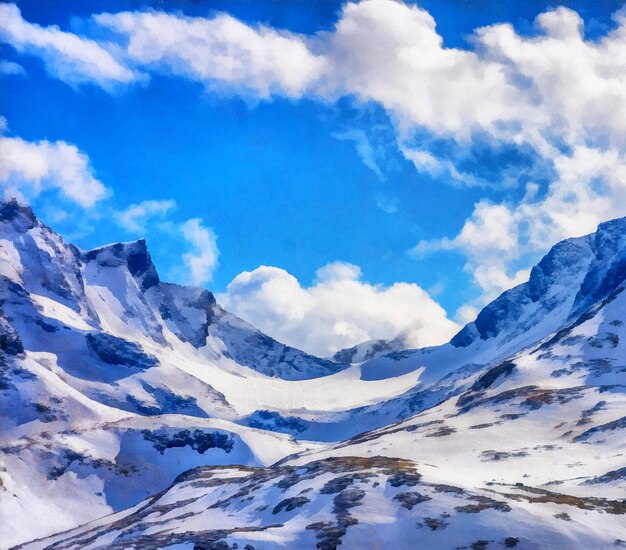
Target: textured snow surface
<point>139,414</point>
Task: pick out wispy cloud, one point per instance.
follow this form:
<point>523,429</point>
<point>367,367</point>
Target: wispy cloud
<point>69,57</point>
<point>201,260</point>
<point>221,52</point>
<point>363,148</point>
<point>11,68</point>
<point>136,217</point>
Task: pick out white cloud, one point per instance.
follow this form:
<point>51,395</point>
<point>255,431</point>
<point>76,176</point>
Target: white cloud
<point>363,148</point>
<point>135,217</point>
<point>201,260</point>
<point>539,89</point>
<point>389,205</point>
<point>338,271</point>
<point>543,90</point>
<point>388,52</point>
<point>437,167</point>
<point>337,311</point>
<point>11,68</point>
<point>29,168</point>
<point>466,314</point>
<point>221,52</point>
<point>67,56</point>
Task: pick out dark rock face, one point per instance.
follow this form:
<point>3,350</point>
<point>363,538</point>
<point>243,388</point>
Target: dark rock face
<point>488,379</point>
<point>12,210</point>
<point>140,265</point>
<point>613,475</point>
<point>465,336</point>
<point>10,342</point>
<point>135,255</point>
<point>491,319</point>
<point>435,524</point>
<point>408,499</point>
<point>198,440</point>
<point>174,299</point>
<point>167,401</point>
<point>556,260</point>
<point>483,503</point>
<point>531,397</point>
<point>376,347</point>
<point>507,311</point>
<point>116,351</point>
<point>619,424</point>
<point>269,420</point>
<point>608,272</point>
<point>290,504</point>
<point>404,478</point>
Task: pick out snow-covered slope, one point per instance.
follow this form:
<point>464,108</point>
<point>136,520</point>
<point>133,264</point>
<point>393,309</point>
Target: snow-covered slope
<point>531,455</point>
<point>101,363</point>
<point>113,383</point>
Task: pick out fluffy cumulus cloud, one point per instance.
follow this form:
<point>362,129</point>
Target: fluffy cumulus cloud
<point>553,92</point>
<point>29,168</point>
<point>339,310</point>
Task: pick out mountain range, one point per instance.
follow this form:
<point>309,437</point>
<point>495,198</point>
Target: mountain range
<point>137,413</point>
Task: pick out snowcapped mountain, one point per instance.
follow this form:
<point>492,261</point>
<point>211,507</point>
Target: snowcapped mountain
<point>147,410</point>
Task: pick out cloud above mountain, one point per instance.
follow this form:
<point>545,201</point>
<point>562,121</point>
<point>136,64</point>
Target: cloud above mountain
<point>29,168</point>
<point>338,310</point>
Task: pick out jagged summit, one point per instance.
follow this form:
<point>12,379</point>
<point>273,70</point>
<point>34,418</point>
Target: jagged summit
<point>552,286</point>
<point>12,210</point>
<point>571,277</point>
<point>134,255</point>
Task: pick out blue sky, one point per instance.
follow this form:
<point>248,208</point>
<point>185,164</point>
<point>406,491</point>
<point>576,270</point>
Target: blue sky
<point>297,174</point>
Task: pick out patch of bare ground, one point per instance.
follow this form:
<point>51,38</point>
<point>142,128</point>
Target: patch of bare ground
<point>495,456</point>
<point>613,475</point>
<point>408,499</point>
<point>482,503</point>
<point>531,397</point>
<point>539,496</point>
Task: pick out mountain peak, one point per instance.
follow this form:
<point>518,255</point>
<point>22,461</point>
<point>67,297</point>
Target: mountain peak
<point>572,276</point>
<point>134,254</point>
<point>12,211</point>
